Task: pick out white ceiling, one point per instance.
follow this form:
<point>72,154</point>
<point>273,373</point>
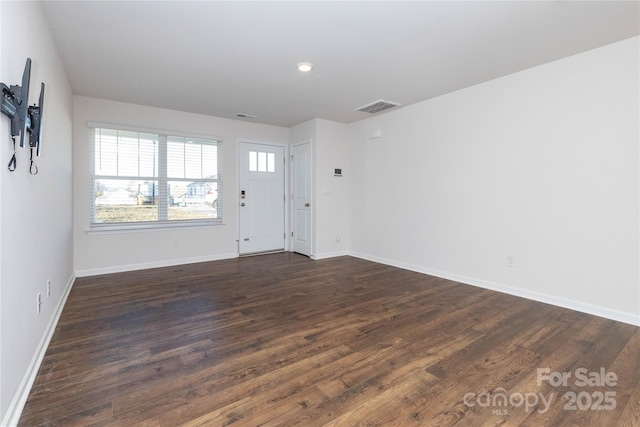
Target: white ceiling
<point>223,58</point>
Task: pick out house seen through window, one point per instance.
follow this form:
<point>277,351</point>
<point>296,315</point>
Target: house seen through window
<point>146,177</point>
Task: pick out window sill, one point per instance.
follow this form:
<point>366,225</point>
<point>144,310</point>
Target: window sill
<point>142,227</point>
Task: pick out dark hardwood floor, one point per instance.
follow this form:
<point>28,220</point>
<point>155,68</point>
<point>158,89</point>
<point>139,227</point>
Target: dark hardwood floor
<point>281,340</point>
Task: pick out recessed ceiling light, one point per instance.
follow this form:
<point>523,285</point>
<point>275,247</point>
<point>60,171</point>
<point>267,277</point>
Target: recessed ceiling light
<point>305,67</point>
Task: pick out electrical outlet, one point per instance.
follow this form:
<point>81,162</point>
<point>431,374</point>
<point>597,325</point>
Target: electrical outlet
<point>511,261</point>
<point>48,288</point>
<point>38,303</point>
<point>176,242</point>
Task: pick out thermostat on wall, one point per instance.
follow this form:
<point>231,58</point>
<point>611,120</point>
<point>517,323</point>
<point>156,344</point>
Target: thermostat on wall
<point>337,172</point>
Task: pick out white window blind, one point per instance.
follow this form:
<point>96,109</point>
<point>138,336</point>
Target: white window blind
<point>144,177</point>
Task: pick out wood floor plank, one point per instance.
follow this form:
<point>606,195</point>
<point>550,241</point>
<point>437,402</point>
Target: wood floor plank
<point>195,394</point>
<point>282,340</point>
<point>630,414</point>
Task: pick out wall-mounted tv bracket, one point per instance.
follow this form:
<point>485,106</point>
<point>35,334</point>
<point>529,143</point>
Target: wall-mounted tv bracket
<point>15,105</point>
<point>34,126</point>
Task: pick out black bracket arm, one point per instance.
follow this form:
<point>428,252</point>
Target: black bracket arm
<point>24,118</point>
<point>15,103</point>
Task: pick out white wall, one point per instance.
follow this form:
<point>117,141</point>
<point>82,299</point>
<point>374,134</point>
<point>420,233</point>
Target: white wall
<point>303,131</point>
<point>107,252</point>
<point>35,211</point>
<point>542,165</point>
<point>332,150</point>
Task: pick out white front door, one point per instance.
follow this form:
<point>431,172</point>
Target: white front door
<point>301,197</point>
<point>261,198</point>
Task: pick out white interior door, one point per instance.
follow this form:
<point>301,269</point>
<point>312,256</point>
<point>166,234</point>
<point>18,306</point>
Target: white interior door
<point>301,198</point>
<point>261,198</point>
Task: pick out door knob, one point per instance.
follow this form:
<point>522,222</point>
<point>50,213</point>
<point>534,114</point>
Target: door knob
<point>306,205</point>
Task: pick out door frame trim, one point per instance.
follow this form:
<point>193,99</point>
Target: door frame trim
<point>285,146</point>
<point>312,216</point>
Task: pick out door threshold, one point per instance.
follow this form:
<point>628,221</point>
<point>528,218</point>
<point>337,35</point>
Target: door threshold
<point>248,254</point>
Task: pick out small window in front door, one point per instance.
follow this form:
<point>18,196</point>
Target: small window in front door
<point>260,161</point>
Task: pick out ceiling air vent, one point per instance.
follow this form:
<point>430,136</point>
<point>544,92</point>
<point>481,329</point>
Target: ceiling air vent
<point>377,106</point>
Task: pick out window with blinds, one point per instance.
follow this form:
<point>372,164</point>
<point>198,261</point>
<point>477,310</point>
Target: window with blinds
<point>147,177</point>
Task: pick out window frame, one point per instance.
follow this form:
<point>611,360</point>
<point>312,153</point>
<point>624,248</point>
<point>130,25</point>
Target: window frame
<point>161,178</point>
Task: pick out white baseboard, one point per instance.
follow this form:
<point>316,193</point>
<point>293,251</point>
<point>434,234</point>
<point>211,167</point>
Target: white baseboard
<point>326,255</point>
<point>16,406</point>
<point>155,264</point>
<point>630,318</point>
